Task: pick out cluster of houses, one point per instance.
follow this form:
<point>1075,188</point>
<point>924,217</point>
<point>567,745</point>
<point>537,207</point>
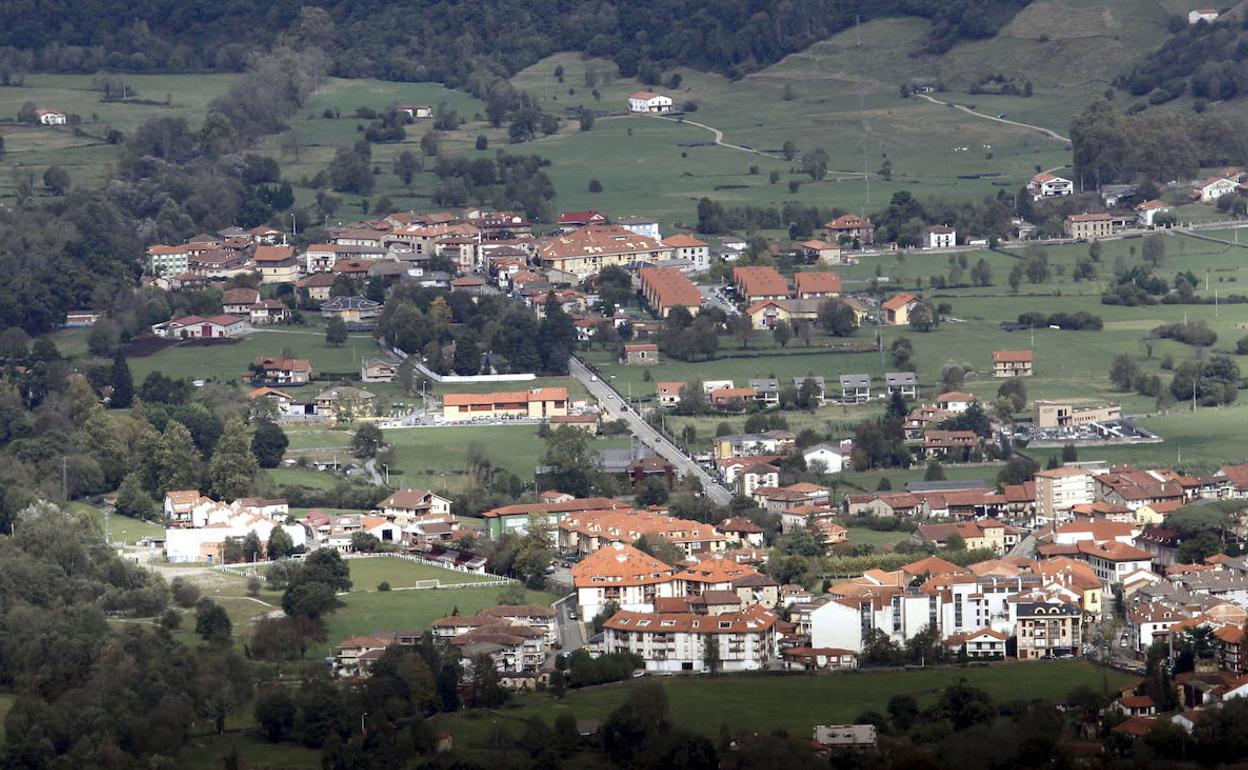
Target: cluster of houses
<point>199,528</point>
<point>331,405</point>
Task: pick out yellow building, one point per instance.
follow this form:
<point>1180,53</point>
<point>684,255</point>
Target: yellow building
<point>538,403</point>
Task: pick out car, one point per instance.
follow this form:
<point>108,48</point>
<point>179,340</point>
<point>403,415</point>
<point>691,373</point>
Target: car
<point>571,614</point>
<point>593,378</point>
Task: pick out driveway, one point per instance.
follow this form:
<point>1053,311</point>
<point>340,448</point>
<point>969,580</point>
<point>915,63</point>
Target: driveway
<point>614,407</point>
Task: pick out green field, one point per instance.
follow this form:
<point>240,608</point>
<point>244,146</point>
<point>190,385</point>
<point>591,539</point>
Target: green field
<point>400,573</point>
<point>796,703</point>
<point>122,529</point>
<point>437,458</point>
<point>228,363</point>
<point>208,752</point>
<point>881,540</point>
<point>380,612</point>
<point>6,703</point>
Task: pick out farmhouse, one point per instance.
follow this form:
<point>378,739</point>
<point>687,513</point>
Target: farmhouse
<point>1147,211</point>
<point>898,308</point>
<point>849,228</point>
<point>279,370</point>
<point>1045,185</point>
<point>48,117</point>
<point>194,327</point>
<point>668,393</point>
<point>1207,15</point>
<point>648,101</point>
<point>587,250</point>
<point>534,404</point>
<point>766,314</point>
<point>1087,226</point>
<point>415,111</point>
<point>641,353</point>
<point>941,237</point>
<point>666,288</point>
<point>1011,363</point>
<point>1209,190</point>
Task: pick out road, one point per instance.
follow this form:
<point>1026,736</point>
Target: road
<point>717,134</point>
<point>615,408</point>
<point>1026,547</point>
<point>571,632</point>
<point>711,297</point>
<point>1047,132</point>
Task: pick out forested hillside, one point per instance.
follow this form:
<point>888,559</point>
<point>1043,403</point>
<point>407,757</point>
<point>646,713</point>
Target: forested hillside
<point>466,43</point>
<point>1207,60</point>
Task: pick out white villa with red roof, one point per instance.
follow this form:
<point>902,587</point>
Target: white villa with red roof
<point>648,101</point>
<point>1045,185</point>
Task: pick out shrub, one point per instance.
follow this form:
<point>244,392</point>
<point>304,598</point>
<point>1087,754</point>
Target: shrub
<point>383,586</point>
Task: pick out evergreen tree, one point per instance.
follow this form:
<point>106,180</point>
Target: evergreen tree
<point>176,460</point>
<point>233,468</point>
<point>556,337</point>
<point>122,382</point>
<point>269,444</point>
<point>133,500</point>
<point>335,331</point>
<point>280,544</point>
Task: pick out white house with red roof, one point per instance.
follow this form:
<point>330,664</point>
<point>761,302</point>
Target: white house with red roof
<point>193,327</point>
<point>51,117</point>
<point>1046,185</point>
<point>648,101</point>
<point>1147,211</point>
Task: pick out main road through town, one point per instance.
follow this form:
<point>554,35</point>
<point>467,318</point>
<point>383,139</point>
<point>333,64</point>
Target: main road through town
<point>616,408</point>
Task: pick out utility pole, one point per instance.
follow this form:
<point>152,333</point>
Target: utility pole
<point>65,479</point>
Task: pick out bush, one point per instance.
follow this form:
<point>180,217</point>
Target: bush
<point>383,586</point>
<point>595,186</point>
<point>184,592</point>
<point>1241,346</point>
<point>1195,333</point>
<point>253,586</point>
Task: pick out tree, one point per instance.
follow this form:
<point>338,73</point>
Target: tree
<point>651,491</point>
<point>335,331</point>
<point>56,179</point>
<point>211,622</point>
<point>815,163</point>
<point>981,273</point>
<point>367,441</point>
<point>269,444</point>
<point>903,710</point>
<point>122,382</point>
<point>710,654</point>
<point>922,319</point>
<point>252,547</point>
<point>184,593</point>
<point>233,469</point>
<point>782,332</point>
<point>311,600</point>
<point>1154,250</point>
<point>837,318</point>
<point>280,544</point>
<point>1123,372</point>
<point>176,462</point>
<point>134,501</point>
<point>349,172</point>
<point>406,166</point>
<point>935,471</point>
<point>275,713</point>
<point>486,688</point>
<point>512,595</point>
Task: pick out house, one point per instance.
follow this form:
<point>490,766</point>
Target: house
<point>740,530</point>
<point>533,404</point>
<point>759,282</point>
<point>850,228</point>
<point>622,575</point>
<point>276,264</point>
<point>818,386</point>
<point>48,117</point>
<point>239,301</point>
<point>687,247</point>
<point>353,657</point>
<point>760,474</point>
<point>1045,185</point>
<point>666,288</point>
<point>767,313</point>
<point>817,284</point>
<point>279,370</point>
<point>746,640</point>
<point>941,237</point>
<point>668,393</point>
<point>1088,226</point>
<point>378,370</point>
<point>846,736</point>
<point>1209,190</point>
<point>647,226</point>
<point>268,311</point>
<point>981,643</point>
<point>415,111</point>
<point>1207,15</point>
<point>956,401</point>
<point>1147,211</point>
<point>833,459</point>
<point>766,390</point>
<point>855,388</point>
<point>818,658</point>
<point>648,101</point>
<point>193,327</point>
<point>356,312</point>
<point>1011,363</point>
<point>906,384</point>
<point>1047,630</point>
<point>953,445</point>
<point>641,354</point>
<point>316,285</point>
<point>897,309</point>
<point>886,504</point>
<point>345,403</point>
<point>585,251</point>
<point>575,220</point>
<point>407,504</point>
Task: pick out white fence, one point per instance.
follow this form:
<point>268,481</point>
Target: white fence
<point>454,378</point>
